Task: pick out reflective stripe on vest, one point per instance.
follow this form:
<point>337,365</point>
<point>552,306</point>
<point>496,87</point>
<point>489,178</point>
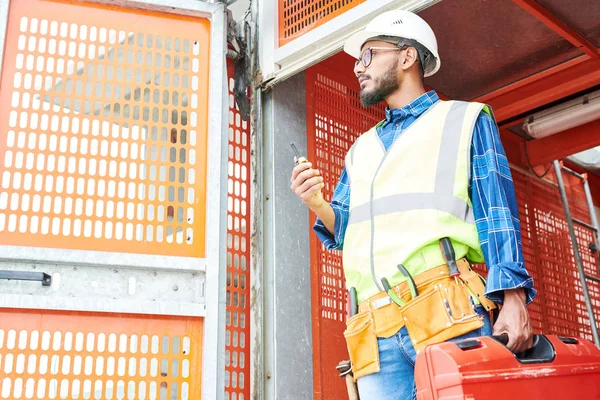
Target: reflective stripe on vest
<point>404,199</point>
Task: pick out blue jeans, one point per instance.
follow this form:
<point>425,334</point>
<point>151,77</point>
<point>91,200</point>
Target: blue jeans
<point>396,378</point>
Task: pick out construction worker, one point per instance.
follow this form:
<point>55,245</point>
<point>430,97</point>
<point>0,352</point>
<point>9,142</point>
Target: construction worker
<point>427,186</point>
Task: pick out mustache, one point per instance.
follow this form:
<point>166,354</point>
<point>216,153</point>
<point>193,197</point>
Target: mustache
<point>366,76</point>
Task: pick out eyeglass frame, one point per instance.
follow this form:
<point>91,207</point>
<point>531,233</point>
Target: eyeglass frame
<point>369,50</point>
<point>424,55</point>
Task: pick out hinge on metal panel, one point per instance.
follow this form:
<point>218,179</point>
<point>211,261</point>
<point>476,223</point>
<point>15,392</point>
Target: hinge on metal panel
<point>237,50</point>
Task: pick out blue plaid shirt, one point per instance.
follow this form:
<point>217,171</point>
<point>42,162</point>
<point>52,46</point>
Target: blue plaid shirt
<point>492,194</point>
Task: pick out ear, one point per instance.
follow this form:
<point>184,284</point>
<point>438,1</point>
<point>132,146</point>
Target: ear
<point>411,57</point>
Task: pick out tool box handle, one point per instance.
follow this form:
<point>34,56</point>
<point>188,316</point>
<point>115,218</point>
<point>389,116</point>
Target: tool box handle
<point>501,338</point>
<point>542,350</point>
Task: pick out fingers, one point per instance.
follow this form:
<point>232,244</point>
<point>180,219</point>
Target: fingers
<point>517,346</point>
<point>306,183</point>
<point>309,193</point>
<point>299,169</point>
<point>522,342</point>
<point>517,341</point>
<point>301,174</point>
<point>309,183</point>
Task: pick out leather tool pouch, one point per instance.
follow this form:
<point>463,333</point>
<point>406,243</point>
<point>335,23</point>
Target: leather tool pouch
<point>362,344</point>
<point>441,314</point>
<point>474,281</point>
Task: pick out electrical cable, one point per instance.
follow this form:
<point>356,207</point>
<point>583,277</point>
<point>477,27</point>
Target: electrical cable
<point>531,166</point>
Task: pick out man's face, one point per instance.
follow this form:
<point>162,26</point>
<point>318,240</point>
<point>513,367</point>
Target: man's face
<point>380,78</point>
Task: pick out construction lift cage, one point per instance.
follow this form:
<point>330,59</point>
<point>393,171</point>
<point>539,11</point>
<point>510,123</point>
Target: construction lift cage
<point>529,54</point>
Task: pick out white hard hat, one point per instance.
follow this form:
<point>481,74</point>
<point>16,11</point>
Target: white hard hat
<point>400,24</point>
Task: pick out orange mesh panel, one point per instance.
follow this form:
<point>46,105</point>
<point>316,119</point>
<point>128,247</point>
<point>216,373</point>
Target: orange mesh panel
<point>103,129</point>
<point>335,119</point>
<point>56,355</point>
<point>237,351</point>
<point>296,17</point>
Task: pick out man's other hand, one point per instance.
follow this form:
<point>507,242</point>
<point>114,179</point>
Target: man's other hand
<point>514,321</point>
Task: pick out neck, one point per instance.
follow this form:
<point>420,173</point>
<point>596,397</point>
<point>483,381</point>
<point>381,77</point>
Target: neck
<point>409,90</point>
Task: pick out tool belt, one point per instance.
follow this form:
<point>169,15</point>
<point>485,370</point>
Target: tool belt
<point>442,310</point>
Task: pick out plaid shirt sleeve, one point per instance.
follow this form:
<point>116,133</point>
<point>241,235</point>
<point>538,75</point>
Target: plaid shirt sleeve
<point>496,213</point>
<point>341,207</point>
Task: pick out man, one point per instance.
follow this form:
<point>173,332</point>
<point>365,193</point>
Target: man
<point>431,177</point>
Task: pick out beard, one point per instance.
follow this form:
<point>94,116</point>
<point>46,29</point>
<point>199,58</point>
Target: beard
<point>384,86</point>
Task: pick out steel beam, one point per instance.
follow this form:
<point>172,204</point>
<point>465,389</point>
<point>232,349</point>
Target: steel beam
<point>522,97</point>
<point>557,25</point>
<point>564,144</point>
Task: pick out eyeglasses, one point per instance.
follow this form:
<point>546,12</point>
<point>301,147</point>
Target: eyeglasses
<point>367,55</point>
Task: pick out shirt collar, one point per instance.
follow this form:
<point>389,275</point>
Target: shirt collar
<point>415,108</point>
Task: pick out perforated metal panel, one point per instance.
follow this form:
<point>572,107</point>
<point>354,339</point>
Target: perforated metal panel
<point>560,306</point>
<point>335,119</point>
<point>99,356</point>
<point>237,350</point>
<point>296,17</point>
<point>103,130</point>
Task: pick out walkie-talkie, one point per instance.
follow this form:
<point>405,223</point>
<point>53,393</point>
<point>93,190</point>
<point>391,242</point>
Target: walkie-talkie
<point>299,159</point>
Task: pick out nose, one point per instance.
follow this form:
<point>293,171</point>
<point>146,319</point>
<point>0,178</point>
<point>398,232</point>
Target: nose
<point>358,68</point>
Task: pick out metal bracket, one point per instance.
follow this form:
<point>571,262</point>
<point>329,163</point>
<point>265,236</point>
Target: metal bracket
<point>27,276</point>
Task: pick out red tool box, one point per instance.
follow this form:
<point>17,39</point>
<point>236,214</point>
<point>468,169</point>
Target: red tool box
<point>483,368</point>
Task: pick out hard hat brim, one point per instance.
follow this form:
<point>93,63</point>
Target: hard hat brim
<point>355,42</point>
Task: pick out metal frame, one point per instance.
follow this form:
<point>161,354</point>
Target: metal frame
<point>213,360</point>
<point>4,6</point>
<point>266,29</point>
<point>214,328</point>
<point>257,382</point>
<point>107,289</point>
<point>44,255</point>
<point>323,41</point>
<point>257,355</point>
<point>288,358</point>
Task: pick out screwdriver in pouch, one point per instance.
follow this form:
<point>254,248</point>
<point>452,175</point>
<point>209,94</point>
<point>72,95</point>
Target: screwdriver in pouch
<point>449,257</point>
<point>393,295</point>
<point>353,301</point>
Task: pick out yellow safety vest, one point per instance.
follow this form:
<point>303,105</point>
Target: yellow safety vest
<point>403,200</point>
